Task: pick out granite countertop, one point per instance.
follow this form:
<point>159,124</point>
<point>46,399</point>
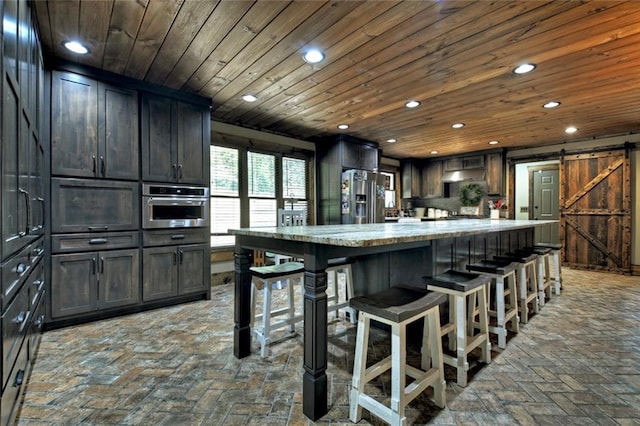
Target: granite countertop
<point>378,234</point>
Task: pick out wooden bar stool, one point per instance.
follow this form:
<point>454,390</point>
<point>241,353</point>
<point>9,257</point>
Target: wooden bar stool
<point>265,278</point>
<point>458,285</point>
<point>544,279</point>
<point>557,265</point>
<point>505,301</point>
<point>397,307</point>
<point>527,282</point>
<point>342,265</point>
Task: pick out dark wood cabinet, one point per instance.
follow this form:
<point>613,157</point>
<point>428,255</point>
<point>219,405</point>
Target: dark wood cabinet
<point>463,163</point>
<point>411,179</point>
<point>494,174</point>
<point>432,186</point>
<point>359,156</point>
<point>85,282</point>
<point>94,128</point>
<point>90,205</point>
<point>174,270</point>
<point>175,141</point>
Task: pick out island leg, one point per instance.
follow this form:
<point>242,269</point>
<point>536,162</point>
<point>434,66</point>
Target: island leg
<point>242,304</point>
<point>314,380</point>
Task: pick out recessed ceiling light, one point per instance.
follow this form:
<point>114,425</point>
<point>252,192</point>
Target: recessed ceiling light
<point>249,98</point>
<point>434,152</point>
<point>76,47</point>
<point>412,104</point>
<point>457,125</point>
<point>493,142</point>
<point>343,126</point>
<point>313,56</point>
<point>571,129</point>
<point>392,140</point>
<point>551,104</point>
<point>524,68</point>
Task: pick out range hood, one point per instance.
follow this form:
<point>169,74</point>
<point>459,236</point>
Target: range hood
<point>465,175</point>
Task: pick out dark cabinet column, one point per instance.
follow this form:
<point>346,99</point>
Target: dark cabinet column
<point>158,135</point>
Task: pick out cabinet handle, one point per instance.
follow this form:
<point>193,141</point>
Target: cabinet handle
<point>102,165</point>
<point>93,158</point>
<point>93,265</point>
<point>22,316</point>
<point>27,203</point>
<point>175,258</point>
<point>174,173</point>
<point>102,265</point>
<point>98,241</point>
<point>19,379</point>
<point>20,268</point>
<point>181,256</point>
<point>98,228</point>
<point>177,237</point>
<point>179,171</point>
<point>37,283</point>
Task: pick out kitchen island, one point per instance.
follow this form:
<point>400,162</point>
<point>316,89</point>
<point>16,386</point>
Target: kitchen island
<point>386,254</point>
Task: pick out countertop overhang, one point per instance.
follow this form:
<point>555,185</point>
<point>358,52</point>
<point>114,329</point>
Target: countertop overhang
<point>378,234</point>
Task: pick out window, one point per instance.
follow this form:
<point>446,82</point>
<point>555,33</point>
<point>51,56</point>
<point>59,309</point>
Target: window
<point>272,181</point>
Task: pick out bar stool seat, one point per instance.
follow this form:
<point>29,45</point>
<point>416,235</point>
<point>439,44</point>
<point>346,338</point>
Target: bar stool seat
<point>343,265</point>
<point>265,279</point>
<point>544,280</point>
<point>527,281</point>
<point>557,266</point>
<point>397,307</point>
<point>506,311</point>
<point>458,285</point>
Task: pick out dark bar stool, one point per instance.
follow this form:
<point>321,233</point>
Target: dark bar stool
<point>557,265</point>
<point>505,301</point>
<point>544,280</point>
<point>264,278</point>
<point>527,281</point>
<point>397,307</point>
<point>461,327</point>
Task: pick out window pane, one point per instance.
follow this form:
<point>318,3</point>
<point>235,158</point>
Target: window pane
<point>225,214</point>
<point>294,178</point>
<point>262,212</point>
<point>262,175</point>
<point>224,171</point>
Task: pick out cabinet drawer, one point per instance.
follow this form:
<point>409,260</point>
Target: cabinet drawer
<point>174,236</point>
<point>35,285</point>
<point>36,326</point>
<point>82,205</point>
<point>15,322</point>
<point>13,388</point>
<point>71,243</point>
<point>14,272</point>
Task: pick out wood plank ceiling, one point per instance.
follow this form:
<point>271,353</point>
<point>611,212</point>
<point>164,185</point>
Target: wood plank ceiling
<point>455,57</point>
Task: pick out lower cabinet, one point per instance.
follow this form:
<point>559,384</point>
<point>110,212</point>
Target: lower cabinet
<point>174,270</point>
<point>86,282</point>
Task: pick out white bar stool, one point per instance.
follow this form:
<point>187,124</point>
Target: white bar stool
<point>335,266</point>
<point>527,282</point>
<point>544,279</point>
<point>458,285</point>
<point>505,301</point>
<point>397,307</point>
<point>265,278</point>
<point>557,265</point>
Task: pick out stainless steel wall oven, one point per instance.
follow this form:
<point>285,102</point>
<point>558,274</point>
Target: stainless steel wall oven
<point>168,206</point>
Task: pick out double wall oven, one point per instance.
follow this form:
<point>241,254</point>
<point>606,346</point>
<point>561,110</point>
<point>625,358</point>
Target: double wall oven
<point>172,206</point>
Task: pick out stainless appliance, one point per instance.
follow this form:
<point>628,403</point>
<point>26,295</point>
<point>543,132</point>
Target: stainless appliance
<point>362,197</point>
<point>167,206</point>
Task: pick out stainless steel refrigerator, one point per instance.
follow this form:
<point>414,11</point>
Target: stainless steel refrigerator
<point>362,197</point>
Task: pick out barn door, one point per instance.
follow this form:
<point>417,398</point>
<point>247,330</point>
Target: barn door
<point>595,210</point>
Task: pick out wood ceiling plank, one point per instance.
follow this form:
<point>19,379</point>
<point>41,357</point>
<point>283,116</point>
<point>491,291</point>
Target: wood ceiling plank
<point>123,29</point>
<point>220,22</point>
<point>63,18</point>
<point>157,21</point>
<point>251,24</point>
<point>41,9</point>
<point>191,17</point>
<point>94,27</point>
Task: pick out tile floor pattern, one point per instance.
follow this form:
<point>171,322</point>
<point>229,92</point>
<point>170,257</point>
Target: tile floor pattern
<point>576,362</point>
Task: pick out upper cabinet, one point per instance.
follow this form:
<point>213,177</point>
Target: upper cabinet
<point>411,179</point>
<point>432,186</point>
<point>462,163</point>
<point>494,174</point>
<point>94,129</point>
<point>175,141</point>
<point>359,156</point>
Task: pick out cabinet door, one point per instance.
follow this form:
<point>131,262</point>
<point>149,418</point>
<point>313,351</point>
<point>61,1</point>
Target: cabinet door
<point>193,144</point>
<point>494,174</point>
<point>36,188</point>
<point>159,273</point>
<point>158,139</point>
<point>74,279</point>
<point>74,133</point>
<point>194,270</point>
<point>118,278</point>
<point>81,205</point>
<point>350,156</point>
<point>432,180</point>
<point>368,157</point>
<point>410,179</point>
<point>117,133</point>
